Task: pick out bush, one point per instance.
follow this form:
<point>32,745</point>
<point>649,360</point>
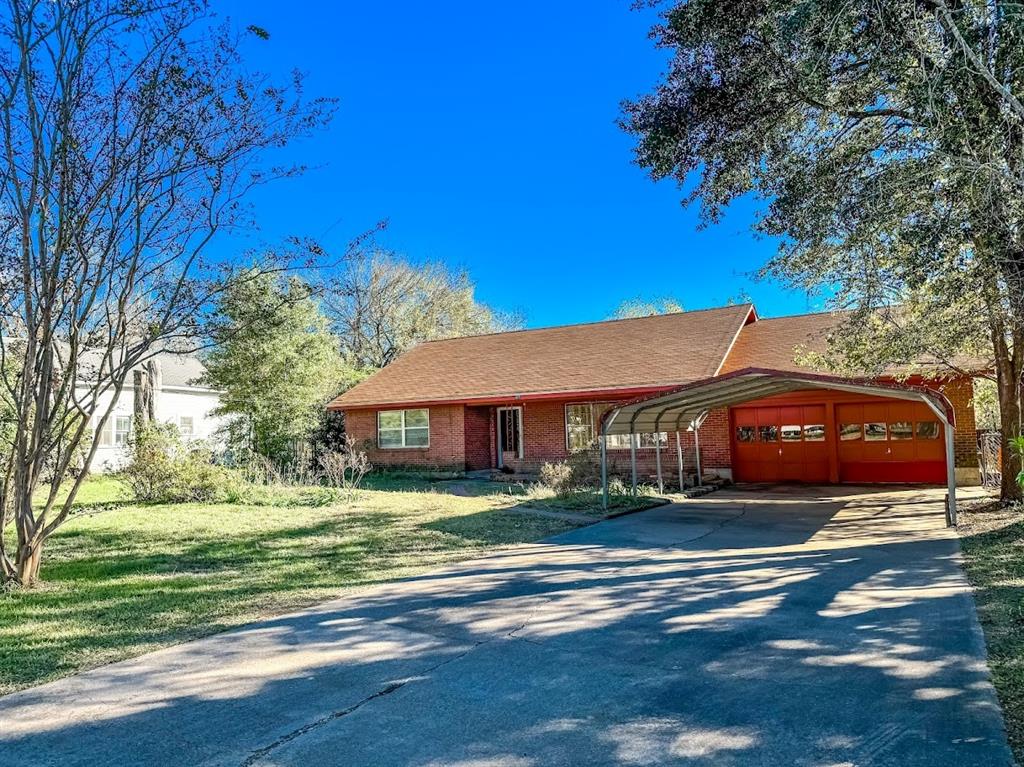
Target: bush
<point>162,469</point>
<point>345,467</point>
<point>1017,446</point>
<point>578,472</point>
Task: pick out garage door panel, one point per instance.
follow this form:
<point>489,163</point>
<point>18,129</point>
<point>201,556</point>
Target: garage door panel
<point>873,442</point>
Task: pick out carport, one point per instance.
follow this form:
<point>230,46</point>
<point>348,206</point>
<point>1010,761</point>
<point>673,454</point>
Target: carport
<point>686,407</point>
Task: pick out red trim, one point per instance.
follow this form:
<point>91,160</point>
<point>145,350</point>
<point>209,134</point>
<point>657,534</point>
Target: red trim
<point>576,394</point>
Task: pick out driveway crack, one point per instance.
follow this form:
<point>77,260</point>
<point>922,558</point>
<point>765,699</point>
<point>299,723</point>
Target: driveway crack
<point>386,690</point>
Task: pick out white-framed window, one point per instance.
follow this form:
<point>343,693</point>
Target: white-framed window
<point>186,426</point>
<point>122,429</point>
<point>580,432</point>
<point>403,428</point>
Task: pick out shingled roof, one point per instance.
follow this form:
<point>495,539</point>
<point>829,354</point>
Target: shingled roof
<point>774,343</point>
<point>664,350</point>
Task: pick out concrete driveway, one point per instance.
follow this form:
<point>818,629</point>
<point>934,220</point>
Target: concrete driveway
<point>770,626</point>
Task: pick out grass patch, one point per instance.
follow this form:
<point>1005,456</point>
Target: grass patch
<point>993,546</point>
<point>588,502</point>
<point>135,578</point>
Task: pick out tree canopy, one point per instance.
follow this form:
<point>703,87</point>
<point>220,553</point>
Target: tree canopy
<point>643,307</point>
<point>380,305</point>
<point>885,142</point>
<point>275,360</point>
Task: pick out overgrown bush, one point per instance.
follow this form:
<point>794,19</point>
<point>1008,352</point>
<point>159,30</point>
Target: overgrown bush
<point>161,468</point>
<point>576,473</point>
<point>345,467</point>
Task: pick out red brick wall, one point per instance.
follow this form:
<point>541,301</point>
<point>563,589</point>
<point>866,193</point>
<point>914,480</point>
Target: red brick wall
<point>478,438</point>
<point>960,393</point>
<point>447,440</point>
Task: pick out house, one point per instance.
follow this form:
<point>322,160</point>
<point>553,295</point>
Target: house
<point>516,400</point>
<point>178,399</point>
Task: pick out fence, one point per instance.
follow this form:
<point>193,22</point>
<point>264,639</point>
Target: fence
<point>990,457</point>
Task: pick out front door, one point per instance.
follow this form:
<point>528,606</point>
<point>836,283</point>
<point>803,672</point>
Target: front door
<point>510,434</point>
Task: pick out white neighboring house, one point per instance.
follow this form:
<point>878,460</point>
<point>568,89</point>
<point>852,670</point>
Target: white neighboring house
<point>178,400</point>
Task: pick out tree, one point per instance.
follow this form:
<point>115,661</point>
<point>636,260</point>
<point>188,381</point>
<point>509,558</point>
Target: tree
<point>642,307</point>
<point>886,143</point>
<point>275,360</point>
<point>381,305</point>
<point>130,135</point>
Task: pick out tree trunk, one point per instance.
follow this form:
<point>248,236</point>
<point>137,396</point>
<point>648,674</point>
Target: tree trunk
<point>1010,423</point>
<point>27,565</point>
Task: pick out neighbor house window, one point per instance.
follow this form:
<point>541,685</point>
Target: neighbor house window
<point>403,428</point>
<point>579,427</point>
<point>122,428</point>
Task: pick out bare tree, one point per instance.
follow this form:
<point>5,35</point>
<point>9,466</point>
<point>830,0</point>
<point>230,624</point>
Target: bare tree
<point>130,134</point>
<point>382,305</point>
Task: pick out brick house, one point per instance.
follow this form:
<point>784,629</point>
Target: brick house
<point>519,399</point>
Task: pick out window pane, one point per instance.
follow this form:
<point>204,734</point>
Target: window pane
<point>618,441</point>
<point>769,433</point>
<point>814,432</point>
<point>875,432</point>
<point>850,431</point>
<point>185,425</point>
<point>744,433</point>
<point>927,429</point>
<point>418,437</point>
<point>901,430</point>
<point>649,439</point>
<point>389,438</point>
<point>415,418</point>
<point>578,415</point>
<point>389,419</point>
<point>791,433</point>
<point>580,437</point>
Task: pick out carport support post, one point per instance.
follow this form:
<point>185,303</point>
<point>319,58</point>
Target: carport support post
<point>657,452</point>
<point>632,456</point>
<point>604,459</point>
<point>696,450</point>
<point>679,458</point>
<point>950,475</point>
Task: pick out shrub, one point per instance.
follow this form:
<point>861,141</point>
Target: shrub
<point>578,472</point>
<point>345,467</point>
<point>163,469</point>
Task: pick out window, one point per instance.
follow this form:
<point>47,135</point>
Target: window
<point>791,433</point>
<point>769,433</point>
<point>849,432</point>
<point>744,433</point>
<point>122,428</point>
<point>875,432</point>
<point>814,432</point>
<point>403,428</point>
<point>900,430</point>
<point>579,427</point>
<point>185,426</point>
<point>927,429</point>
<point>581,433</point>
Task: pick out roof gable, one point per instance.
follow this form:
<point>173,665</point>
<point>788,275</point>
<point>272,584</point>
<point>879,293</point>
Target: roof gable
<point>662,350</point>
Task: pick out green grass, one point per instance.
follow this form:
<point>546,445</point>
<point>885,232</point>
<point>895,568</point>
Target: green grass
<point>123,579</point>
<point>993,548</point>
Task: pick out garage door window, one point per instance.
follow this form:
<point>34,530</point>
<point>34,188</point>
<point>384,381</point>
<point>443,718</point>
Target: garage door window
<point>744,433</point>
<point>875,432</point>
<point>900,430</point>
<point>791,433</point>
<point>814,432</point>
<point>769,433</point>
<point>927,429</point>
<point>850,431</point>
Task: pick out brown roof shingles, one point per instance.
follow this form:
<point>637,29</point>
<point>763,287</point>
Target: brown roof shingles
<point>663,350</point>
<point>775,343</point>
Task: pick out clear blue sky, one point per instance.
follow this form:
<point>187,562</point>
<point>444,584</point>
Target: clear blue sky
<point>485,134</point>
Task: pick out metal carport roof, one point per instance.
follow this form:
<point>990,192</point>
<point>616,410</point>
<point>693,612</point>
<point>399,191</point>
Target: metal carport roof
<point>685,407</point>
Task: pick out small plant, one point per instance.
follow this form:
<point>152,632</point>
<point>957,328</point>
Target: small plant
<point>1017,447</point>
<point>578,472</point>
<point>345,467</point>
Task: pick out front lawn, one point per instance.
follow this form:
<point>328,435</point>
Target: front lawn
<point>122,579</point>
<point>993,548</point>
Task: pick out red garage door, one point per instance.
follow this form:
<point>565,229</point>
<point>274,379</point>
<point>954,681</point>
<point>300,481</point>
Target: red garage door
<point>863,442</point>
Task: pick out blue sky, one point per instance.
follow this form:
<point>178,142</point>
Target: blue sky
<point>485,134</point>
